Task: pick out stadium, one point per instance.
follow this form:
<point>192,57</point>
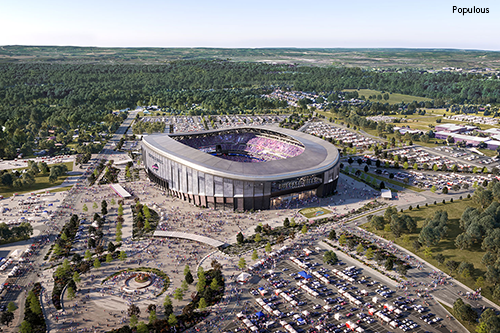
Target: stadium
<point>242,168</point>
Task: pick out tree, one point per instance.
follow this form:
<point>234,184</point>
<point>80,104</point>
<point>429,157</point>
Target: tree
<point>186,269</point>
<point>330,257</point>
<point>445,190</point>
<point>189,277</point>
<point>109,258</point>
<point>257,238</point>
<point>133,321</point>
<point>71,293</point>
<point>214,285</point>
<point>286,223</point>
<point>178,294</point>
<point>402,268</point>
<point>184,286</point>
<point>342,240</point>
<point>239,238</point>
<point>104,207</point>
<point>85,208</point>
<point>133,310</point>
<point>452,265</point>
<point>94,205</point>
<point>268,247</point>
<point>428,252</point>
<point>88,255</point>
<point>122,256</point>
<point>202,304</point>
<point>167,306</point>
<point>242,263</point>
<point>480,282</point>
<point>25,327</point>
<point>389,264</point>
<point>378,222</point>
<point>111,247</point>
<point>142,327</point>
<point>360,249</point>
<point>332,235</point>
<point>255,256</point>
<point>389,213</point>
<point>433,189</point>
<point>76,277</point>
<point>351,243</point>
<point>440,258</point>
<point>7,317</point>
<point>97,263</point>
<point>172,320</point>
<point>369,253</point>
<point>304,229</point>
<point>11,307</point>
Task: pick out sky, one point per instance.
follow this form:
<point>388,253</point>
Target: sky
<point>250,24</point>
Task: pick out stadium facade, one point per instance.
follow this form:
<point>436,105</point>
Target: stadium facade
<point>242,168</point>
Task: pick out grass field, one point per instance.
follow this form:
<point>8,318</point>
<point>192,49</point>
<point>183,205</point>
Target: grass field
<point>393,98</point>
<point>447,245</point>
<point>314,212</point>
<point>42,182</point>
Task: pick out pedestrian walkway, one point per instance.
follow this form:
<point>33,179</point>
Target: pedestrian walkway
<point>193,237</point>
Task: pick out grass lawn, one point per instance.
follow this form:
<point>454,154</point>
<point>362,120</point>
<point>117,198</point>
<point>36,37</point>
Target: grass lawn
<point>447,245</point>
<point>42,182</point>
<point>489,153</point>
<point>314,212</point>
<point>393,98</point>
<point>469,326</point>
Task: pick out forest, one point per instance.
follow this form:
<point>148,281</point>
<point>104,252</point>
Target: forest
<point>37,99</point>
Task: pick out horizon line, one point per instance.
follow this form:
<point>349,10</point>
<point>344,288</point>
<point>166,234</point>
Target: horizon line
<point>263,47</point>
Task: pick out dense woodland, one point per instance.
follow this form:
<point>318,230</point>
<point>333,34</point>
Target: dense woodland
<point>42,99</point>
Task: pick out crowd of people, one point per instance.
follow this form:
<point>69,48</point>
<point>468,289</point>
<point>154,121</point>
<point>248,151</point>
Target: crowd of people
<point>261,148</point>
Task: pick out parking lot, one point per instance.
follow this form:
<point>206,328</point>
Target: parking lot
<point>303,294</point>
<point>466,155</point>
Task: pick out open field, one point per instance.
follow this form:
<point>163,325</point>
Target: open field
<point>364,58</point>
<point>447,245</point>
<point>393,98</point>
<point>42,182</point>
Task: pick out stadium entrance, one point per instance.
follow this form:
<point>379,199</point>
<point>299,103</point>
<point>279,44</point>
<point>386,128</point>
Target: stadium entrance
<point>288,200</point>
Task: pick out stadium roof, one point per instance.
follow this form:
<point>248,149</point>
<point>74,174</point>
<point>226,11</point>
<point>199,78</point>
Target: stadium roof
<point>318,156</point>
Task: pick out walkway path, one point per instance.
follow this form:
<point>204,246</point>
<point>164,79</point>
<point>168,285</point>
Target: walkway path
<point>197,238</point>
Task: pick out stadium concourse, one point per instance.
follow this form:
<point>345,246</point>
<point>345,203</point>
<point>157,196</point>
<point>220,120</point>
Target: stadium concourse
<point>247,168</point>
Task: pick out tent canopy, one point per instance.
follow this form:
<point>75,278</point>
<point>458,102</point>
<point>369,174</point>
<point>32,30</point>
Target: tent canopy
<point>305,275</point>
<point>16,253</point>
<point>243,277</point>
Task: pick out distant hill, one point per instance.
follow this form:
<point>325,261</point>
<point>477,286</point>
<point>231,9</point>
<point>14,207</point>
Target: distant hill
<point>363,57</point>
